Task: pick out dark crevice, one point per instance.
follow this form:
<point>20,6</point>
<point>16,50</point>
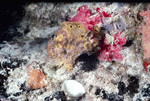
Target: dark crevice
<point>105,95</point>
<point>122,88</point>
<point>133,85</point>
<point>89,62</point>
<point>11,14</point>
<point>128,43</point>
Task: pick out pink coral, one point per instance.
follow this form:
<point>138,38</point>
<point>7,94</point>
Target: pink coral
<point>145,34</point>
<point>110,52</point>
<point>84,15</point>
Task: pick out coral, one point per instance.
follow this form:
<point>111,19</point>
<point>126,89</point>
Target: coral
<point>145,34</point>
<point>110,51</point>
<point>84,15</point>
<point>36,78</point>
<point>72,40</point>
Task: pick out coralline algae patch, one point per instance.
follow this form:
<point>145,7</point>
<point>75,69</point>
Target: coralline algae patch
<point>145,34</point>
<point>110,51</point>
<point>145,29</point>
<point>114,73</point>
<point>84,15</point>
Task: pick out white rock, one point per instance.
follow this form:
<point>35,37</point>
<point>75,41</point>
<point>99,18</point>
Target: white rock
<point>73,88</point>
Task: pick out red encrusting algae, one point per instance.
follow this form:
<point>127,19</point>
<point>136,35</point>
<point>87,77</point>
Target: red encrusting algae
<point>145,64</point>
<point>111,52</point>
<point>84,15</point>
<point>145,30</point>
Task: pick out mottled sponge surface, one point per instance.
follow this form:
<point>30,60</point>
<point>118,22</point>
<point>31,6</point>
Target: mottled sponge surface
<point>72,40</point>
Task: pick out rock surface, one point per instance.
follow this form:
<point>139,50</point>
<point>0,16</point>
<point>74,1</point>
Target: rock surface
<point>102,80</point>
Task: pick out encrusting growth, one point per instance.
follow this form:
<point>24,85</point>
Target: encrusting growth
<point>72,40</point>
<point>36,78</point>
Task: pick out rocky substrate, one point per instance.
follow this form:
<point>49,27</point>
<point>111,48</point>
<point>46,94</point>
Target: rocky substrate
<point>90,79</point>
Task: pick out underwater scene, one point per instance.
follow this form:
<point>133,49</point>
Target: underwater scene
<point>74,51</point>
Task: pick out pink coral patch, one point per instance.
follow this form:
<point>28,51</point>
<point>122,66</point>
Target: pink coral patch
<point>84,15</point>
<point>145,30</point>
<point>111,52</point>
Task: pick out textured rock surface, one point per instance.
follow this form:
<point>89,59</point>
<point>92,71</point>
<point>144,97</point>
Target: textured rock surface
<point>103,81</point>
